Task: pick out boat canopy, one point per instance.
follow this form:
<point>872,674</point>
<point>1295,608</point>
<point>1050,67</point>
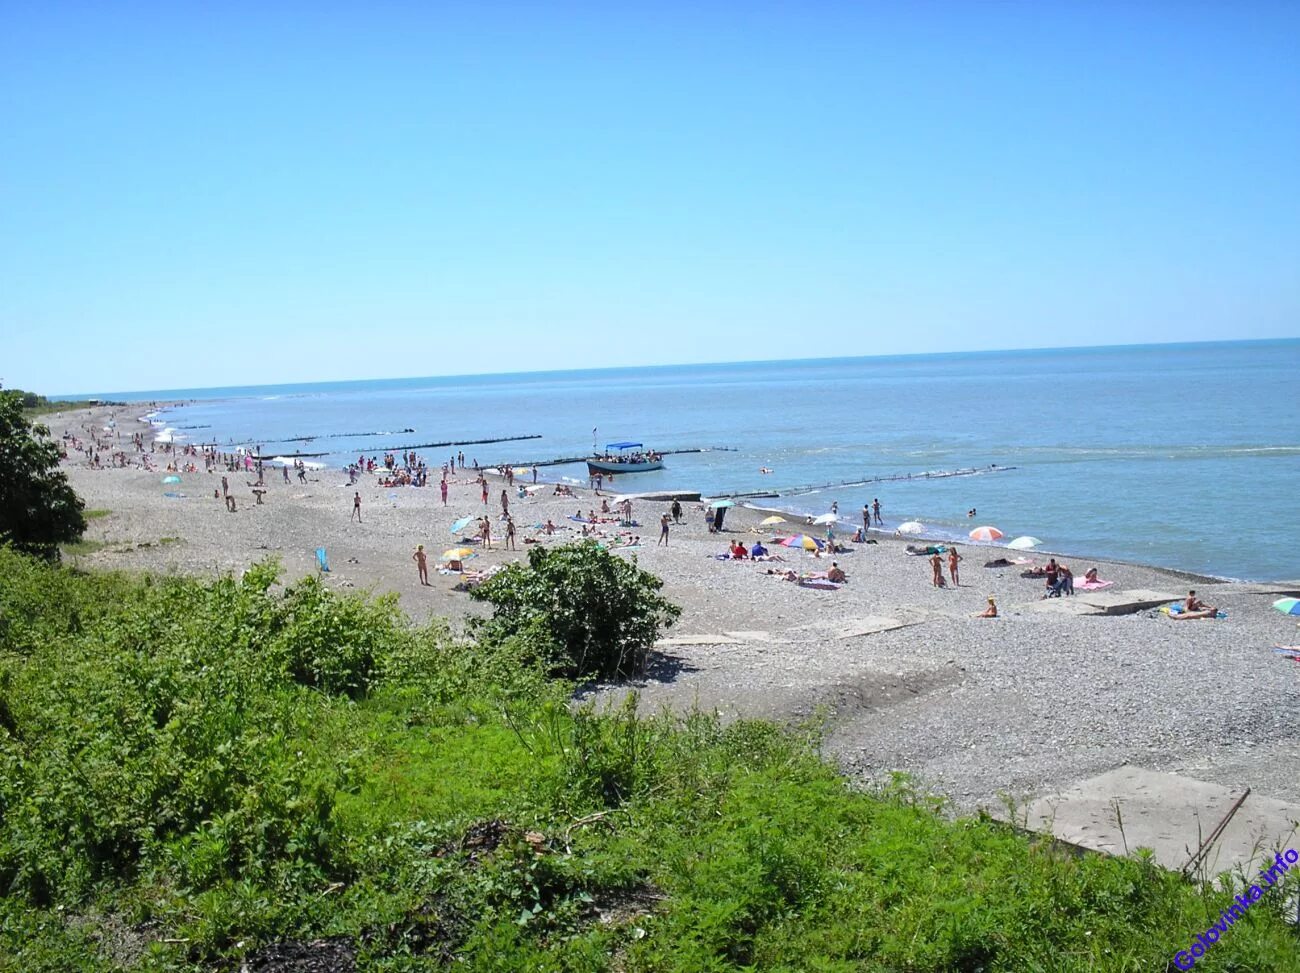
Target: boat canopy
<point>622,445</point>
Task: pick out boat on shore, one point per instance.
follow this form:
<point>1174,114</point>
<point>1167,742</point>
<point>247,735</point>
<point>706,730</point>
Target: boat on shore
<point>619,458</point>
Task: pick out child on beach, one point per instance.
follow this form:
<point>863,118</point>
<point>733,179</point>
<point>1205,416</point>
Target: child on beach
<point>991,611</point>
<point>421,563</point>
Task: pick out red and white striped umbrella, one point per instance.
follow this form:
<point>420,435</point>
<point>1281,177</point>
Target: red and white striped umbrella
<point>986,534</point>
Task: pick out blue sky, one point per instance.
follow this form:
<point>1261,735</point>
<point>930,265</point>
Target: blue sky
<point>256,193</point>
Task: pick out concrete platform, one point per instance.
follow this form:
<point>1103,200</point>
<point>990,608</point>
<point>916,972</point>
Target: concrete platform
<point>1169,814</point>
<point>1279,588</point>
<point>696,640</point>
<point>1125,602</point>
<point>853,628</point>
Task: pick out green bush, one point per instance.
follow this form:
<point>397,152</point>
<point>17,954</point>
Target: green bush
<point>38,508</point>
<point>192,772</point>
<point>582,610</point>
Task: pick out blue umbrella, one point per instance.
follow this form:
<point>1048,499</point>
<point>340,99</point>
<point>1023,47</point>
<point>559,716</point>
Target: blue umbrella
<point>171,479</point>
<point>1288,606</point>
<point>461,524</point>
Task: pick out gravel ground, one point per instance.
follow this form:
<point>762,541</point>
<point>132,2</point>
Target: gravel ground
<point>975,708</point>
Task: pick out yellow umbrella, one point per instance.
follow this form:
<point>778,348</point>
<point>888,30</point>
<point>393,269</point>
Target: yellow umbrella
<point>769,521</point>
<point>456,553</point>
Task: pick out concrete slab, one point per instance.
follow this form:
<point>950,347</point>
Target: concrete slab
<point>1125,602</point>
<point>853,628</point>
<point>1279,588</point>
<point>696,640</point>
<point>1060,606</point>
<point>1169,814</point>
<point>750,636</point>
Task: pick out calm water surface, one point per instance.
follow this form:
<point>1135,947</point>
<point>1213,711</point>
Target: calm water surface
<point>1185,456</point>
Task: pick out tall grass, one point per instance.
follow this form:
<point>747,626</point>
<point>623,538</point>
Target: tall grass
<point>190,771</point>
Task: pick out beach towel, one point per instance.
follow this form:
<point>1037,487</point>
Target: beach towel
<point>1093,585</point>
<point>1176,608</point>
<point>322,560</point>
<point>820,584</point>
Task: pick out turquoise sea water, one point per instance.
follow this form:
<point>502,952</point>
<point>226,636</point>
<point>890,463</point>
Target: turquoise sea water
<point>1185,456</point>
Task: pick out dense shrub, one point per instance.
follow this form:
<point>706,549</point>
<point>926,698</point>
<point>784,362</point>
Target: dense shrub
<point>583,610</point>
<point>201,776</point>
<point>38,508</point>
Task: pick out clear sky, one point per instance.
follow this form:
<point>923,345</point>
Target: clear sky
<point>240,193</point>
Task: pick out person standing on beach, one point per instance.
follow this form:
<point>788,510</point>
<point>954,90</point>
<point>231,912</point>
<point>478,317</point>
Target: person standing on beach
<point>486,530</point>
<point>677,511</point>
<point>483,480</point>
<point>875,509</point>
<point>936,564</point>
<point>953,558</point>
<point>421,563</point>
<point>505,504</point>
<point>225,487</point>
<point>534,474</point>
<point>356,508</point>
<point>510,533</point>
<point>866,519</point>
<point>663,531</point>
<point>444,491</point>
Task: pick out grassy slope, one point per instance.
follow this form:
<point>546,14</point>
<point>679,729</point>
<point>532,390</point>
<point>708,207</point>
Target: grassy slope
<point>189,771</point>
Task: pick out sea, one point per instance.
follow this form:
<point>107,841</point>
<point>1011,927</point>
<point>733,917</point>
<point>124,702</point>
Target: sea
<point>1185,456</point>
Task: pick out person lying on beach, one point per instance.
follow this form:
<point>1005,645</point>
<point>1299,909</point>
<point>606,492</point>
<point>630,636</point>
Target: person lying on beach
<point>991,611</point>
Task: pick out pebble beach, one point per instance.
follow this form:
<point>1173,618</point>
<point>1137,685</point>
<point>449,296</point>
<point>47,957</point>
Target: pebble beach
<point>904,675</point>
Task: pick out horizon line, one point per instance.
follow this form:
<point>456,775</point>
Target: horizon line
<point>166,393</point>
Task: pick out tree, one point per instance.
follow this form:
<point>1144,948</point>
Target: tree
<point>581,608</point>
<point>38,507</point>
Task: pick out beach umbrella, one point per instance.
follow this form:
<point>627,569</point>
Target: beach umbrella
<point>171,479</point>
<point>911,527</point>
<point>457,553</point>
<point>722,503</point>
<point>986,534</point>
<point>802,540</point>
<point>769,521</point>
<point>1024,543</point>
<point>1288,606</point>
<point>461,524</point>
<point>825,519</point>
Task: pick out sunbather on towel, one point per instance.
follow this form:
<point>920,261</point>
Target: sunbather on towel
<point>1193,607</point>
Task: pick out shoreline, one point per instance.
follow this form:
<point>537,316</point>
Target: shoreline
<point>1032,701</point>
<point>789,511</point>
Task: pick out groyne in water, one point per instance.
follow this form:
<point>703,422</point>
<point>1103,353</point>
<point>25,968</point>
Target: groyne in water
<point>796,491</point>
<point>566,460</point>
